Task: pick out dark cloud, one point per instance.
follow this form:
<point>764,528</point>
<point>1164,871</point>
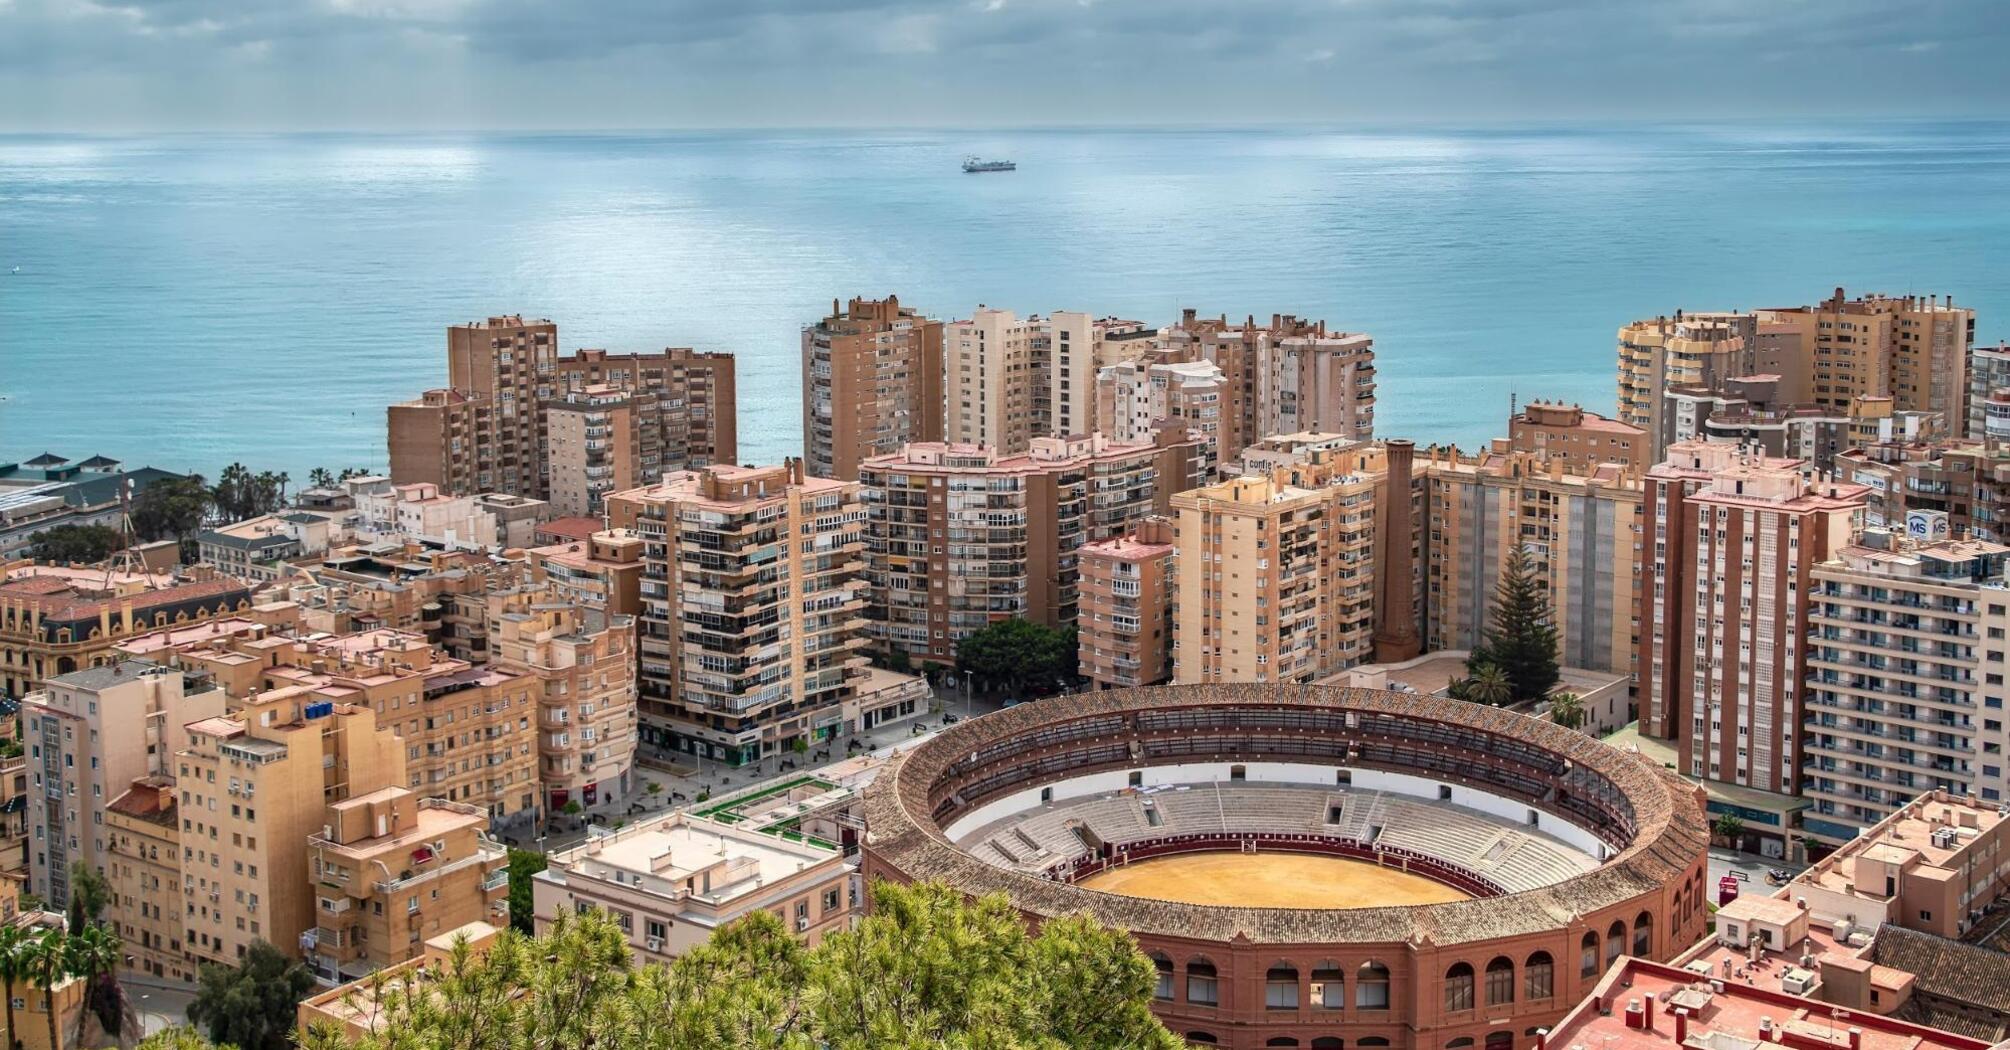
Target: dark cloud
<point>476,63</point>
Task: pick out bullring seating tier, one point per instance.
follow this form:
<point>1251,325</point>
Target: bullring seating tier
<point>1512,856</point>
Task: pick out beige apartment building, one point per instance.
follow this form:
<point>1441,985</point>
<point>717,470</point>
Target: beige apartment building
<point>1895,677</point>
<point>467,729</point>
<point>251,789</point>
<point>1011,379</point>
<point>584,661</point>
<point>669,883</point>
<point>1911,348</point>
<point>89,734</point>
<point>55,619</point>
<point>1988,372</point>
<point>872,382</point>
<point>1276,574</point>
<point>751,609</point>
<point>1135,400</point>
<point>958,537</point>
<point>1687,350</point>
<point>1582,441</point>
<point>388,871</point>
<point>1292,375</point>
<point>143,875</point>
<point>1125,626</point>
<point>1931,865</point>
<point>592,436</point>
<point>1723,639</point>
<point>602,572</point>
<point>1582,533</point>
<point>486,430</point>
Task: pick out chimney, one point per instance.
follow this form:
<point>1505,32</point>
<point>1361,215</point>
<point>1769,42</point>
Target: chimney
<point>1681,1024</point>
<point>1542,1039</point>
<point>1396,627</point>
<point>1647,1022</point>
<point>1636,1015</point>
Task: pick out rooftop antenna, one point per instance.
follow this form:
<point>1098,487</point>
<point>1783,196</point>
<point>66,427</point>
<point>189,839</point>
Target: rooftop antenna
<point>123,560</point>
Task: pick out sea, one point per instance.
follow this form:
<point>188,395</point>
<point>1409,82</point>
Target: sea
<point>186,301</point>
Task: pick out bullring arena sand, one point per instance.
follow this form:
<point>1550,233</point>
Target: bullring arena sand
<point>1270,880</point>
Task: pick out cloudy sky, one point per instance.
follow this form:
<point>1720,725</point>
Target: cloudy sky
<point>396,64</point>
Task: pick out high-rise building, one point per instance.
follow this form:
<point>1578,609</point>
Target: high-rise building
<point>751,609</point>
<point>143,879</point>
<point>1913,349</point>
<point>872,382</point>
<point>1895,673</point>
<point>1689,351</point>
<point>1726,577</point>
<point>1582,532</point>
<point>1290,376</point>
<point>1135,399</point>
<point>602,572</point>
<point>89,735</point>
<point>1276,574</point>
<point>584,659</point>
<point>486,430</point>
<point>1581,441</point>
<point>1988,372</point>
<point>1125,624</point>
<point>1011,379</point>
<point>959,537</point>
<point>591,435</point>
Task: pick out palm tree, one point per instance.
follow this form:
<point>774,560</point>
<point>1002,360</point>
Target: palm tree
<point>1566,710</point>
<point>93,955</point>
<point>320,478</point>
<point>48,964</point>
<point>14,943</point>
<point>1489,685</point>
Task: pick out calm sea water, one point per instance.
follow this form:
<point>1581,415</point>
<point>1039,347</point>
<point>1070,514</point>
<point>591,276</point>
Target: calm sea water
<point>187,301</point>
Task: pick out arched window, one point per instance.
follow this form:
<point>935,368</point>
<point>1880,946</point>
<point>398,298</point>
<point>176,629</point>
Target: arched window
<point>1373,1040</point>
<point>1329,987</point>
<point>1587,965</point>
<point>1328,1042</point>
<point>1539,977</point>
<point>1459,987</point>
<point>1201,987</point>
<point>1500,981</point>
<point>1371,988</point>
<point>1163,964</point>
<point>1461,1043</point>
<point>1643,935</point>
<point>1203,1038</point>
<point>1615,942</point>
<point>1282,1040</point>
<point>1500,1041</point>
<point>1280,988</point>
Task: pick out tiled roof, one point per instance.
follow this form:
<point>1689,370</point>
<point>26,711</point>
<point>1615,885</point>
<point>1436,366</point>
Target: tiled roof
<point>1947,969</point>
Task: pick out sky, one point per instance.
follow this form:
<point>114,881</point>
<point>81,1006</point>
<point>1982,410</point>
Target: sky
<point>106,65</point>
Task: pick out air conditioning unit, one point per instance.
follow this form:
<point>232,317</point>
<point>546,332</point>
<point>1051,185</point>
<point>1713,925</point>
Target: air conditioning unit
<point>655,944</point>
<point>802,923</point>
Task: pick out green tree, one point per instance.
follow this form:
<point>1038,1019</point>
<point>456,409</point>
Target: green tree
<point>1017,652</point>
<point>1567,710</point>
<point>179,1037</point>
<point>523,864</point>
<point>1730,827</point>
<point>171,508</point>
<point>352,472</point>
<point>252,1004</point>
<point>928,969</point>
<point>88,896</point>
<point>76,543</point>
<point>48,965</point>
<point>1519,637</point>
<point>15,944</point>
<point>320,478</point>
<point>1488,685</point>
<point>94,955</point>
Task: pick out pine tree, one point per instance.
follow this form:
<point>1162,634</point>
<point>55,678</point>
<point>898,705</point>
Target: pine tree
<point>1519,638</point>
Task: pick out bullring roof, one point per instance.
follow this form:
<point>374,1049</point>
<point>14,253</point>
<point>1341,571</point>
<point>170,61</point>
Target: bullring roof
<point>1670,831</point>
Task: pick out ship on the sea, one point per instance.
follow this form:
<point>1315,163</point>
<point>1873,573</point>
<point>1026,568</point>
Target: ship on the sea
<point>974,165</point>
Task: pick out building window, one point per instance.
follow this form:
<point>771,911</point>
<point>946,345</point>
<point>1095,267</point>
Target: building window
<point>1500,981</point>
<point>1539,977</point>
<point>1371,987</point>
<point>1280,988</point>
<point>1163,991</point>
<point>1459,988</point>
<point>1201,987</point>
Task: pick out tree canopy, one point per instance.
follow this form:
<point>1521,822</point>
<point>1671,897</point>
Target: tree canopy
<point>171,509</point>
<point>1018,653</point>
<point>240,494</point>
<point>251,1005</point>
<point>523,864</point>
<point>929,968</point>
<point>1520,639</point>
<point>76,543</point>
